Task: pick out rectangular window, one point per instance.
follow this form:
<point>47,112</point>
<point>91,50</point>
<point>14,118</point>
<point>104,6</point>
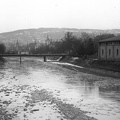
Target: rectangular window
<point>102,52</point>
<point>117,52</point>
<point>109,52</point>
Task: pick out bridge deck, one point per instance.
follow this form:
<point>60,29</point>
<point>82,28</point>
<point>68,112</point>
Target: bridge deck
<point>35,55</point>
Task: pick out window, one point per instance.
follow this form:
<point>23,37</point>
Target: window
<point>117,52</point>
<point>109,52</point>
<point>102,52</point>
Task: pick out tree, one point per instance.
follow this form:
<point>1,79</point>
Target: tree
<point>85,36</point>
<point>90,47</point>
<point>80,49</point>
<point>2,48</point>
<point>69,41</point>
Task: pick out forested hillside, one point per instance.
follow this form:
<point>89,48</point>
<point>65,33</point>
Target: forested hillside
<point>29,35</point>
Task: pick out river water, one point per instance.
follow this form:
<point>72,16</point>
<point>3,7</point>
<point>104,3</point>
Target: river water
<point>20,83</point>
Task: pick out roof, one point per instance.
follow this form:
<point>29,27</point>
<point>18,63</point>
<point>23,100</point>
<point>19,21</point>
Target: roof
<point>113,39</point>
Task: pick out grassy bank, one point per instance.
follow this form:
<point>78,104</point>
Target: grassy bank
<point>102,68</point>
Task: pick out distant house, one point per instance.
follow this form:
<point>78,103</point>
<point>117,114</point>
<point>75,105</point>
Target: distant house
<point>109,49</point>
<point>24,52</point>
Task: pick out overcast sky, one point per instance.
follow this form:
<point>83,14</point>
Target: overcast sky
<point>81,14</point>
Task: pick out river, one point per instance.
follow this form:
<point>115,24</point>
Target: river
<point>50,91</point>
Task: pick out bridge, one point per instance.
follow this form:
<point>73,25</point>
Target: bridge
<point>37,55</point>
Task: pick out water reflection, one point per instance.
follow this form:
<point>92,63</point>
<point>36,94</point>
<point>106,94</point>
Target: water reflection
<point>114,88</point>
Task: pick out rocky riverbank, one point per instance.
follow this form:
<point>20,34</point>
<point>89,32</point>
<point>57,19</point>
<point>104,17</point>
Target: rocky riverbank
<point>2,60</point>
<point>47,91</point>
<point>24,97</point>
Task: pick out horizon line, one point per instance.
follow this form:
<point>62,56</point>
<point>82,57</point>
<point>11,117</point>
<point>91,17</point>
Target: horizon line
<point>59,28</point>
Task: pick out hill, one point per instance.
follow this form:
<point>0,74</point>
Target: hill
<point>25,36</point>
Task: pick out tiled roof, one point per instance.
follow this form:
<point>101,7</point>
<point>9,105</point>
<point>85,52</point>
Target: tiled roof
<point>117,38</point>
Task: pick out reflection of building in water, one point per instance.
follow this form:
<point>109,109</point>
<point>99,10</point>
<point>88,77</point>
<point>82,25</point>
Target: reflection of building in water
<point>90,89</point>
<point>109,49</point>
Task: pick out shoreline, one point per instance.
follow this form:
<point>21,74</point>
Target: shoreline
<point>110,80</point>
<point>100,72</point>
<point>92,68</point>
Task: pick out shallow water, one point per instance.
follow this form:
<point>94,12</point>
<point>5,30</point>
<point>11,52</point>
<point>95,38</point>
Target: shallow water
<point>68,86</point>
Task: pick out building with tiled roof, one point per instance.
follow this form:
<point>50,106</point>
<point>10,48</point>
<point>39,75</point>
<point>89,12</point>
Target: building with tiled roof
<point>109,49</point>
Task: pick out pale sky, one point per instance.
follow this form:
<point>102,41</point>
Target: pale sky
<point>81,14</point>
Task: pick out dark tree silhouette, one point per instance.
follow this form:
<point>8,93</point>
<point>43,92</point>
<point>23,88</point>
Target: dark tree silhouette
<point>69,42</point>
<point>2,48</point>
<point>90,47</point>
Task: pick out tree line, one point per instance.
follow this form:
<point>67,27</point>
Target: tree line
<point>70,44</point>
<point>85,45</point>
